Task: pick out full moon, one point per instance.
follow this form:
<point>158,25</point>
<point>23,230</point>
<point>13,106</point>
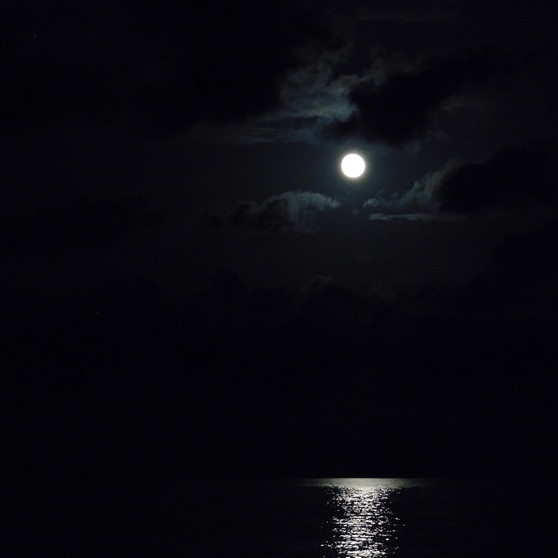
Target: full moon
<point>353,165</point>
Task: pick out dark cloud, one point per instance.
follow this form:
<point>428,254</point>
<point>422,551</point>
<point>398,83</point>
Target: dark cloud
<point>288,212</point>
<point>159,68</point>
<point>512,178</point>
<point>417,204</point>
<point>401,107</point>
<point>82,225</point>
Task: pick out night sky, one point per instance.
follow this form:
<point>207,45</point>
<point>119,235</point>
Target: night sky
<point>190,285</point>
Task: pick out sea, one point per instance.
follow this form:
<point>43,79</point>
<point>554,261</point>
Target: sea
<point>299,518</point>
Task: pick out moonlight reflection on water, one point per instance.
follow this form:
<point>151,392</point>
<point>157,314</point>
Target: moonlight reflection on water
<point>363,524</point>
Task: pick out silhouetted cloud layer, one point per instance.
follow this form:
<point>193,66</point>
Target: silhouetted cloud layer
<point>418,203</point>
<point>287,212</point>
<point>512,178</point>
<point>234,367</point>
<point>400,108</point>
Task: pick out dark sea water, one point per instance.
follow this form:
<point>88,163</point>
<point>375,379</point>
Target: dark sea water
<point>310,518</point>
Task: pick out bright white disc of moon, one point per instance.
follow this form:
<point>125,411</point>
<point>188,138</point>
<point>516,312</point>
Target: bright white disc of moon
<point>353,165</point>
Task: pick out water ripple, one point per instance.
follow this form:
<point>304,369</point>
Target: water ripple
<point>362,523</point>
